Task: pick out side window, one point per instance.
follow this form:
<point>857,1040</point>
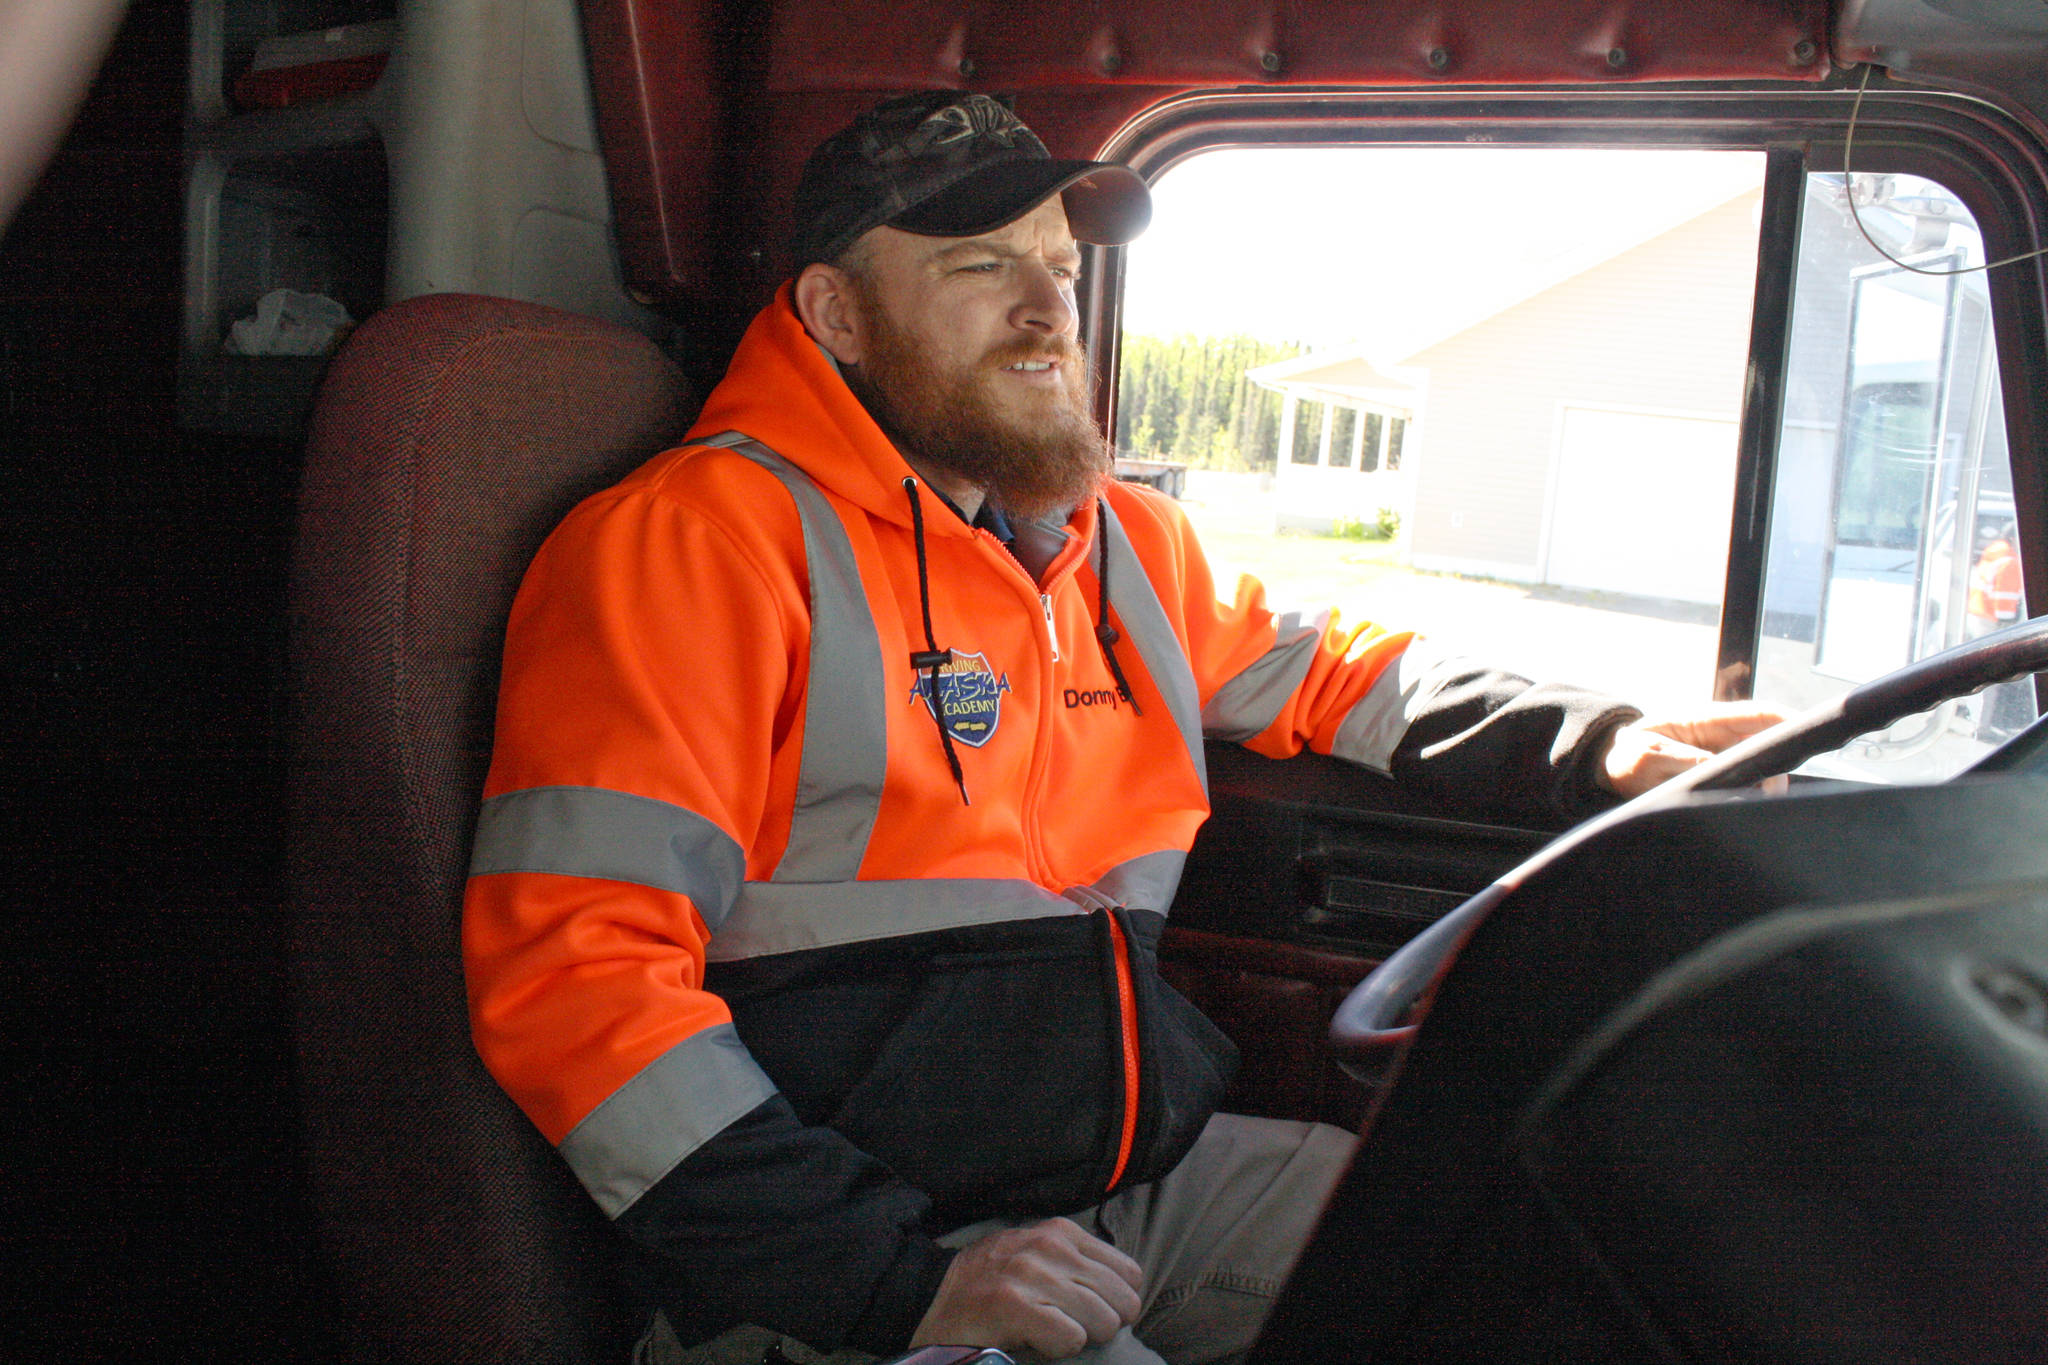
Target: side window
<point>1893,530</point>
<point>1494,393</point>
<point>1488,392</point>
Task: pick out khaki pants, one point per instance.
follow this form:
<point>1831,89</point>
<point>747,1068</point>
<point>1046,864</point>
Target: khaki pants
<point>1216,1237</point>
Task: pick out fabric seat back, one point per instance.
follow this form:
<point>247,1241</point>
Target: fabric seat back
<point>451,435</point>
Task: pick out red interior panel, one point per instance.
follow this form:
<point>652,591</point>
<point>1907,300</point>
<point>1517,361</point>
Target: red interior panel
<point>1274,1000</point>
<point>655,77</point>
<point>705,118</point>
<point>1266,42</point>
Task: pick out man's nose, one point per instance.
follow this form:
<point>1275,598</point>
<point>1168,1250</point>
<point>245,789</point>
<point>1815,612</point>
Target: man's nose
<point>1045,302</point>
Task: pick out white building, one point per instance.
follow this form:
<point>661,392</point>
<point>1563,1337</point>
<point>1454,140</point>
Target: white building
<point>1530,428</point>
<point>1355,422</point>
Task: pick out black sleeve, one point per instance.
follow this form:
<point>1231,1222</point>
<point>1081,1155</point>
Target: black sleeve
<point>791,1228</point>
<point>1491,741</point>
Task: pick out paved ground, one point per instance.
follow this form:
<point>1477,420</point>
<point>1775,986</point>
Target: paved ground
<point>1659,655</point>
<point>1647,652</point>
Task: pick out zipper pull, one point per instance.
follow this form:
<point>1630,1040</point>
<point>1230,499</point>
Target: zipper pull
<point>1052,634</point>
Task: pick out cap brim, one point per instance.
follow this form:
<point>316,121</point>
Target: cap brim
<point>1107,205</point>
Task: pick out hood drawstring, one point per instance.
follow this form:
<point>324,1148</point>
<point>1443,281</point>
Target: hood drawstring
<point>928,660</point>
<point>1106,633</point>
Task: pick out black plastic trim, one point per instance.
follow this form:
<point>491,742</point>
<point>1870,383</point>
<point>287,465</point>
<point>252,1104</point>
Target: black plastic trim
<point>1763,411</point>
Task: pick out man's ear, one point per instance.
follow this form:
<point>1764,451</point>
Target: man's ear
<point>825,301</point>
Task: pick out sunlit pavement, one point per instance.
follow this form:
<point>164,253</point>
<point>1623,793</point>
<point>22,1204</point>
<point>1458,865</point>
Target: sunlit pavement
<point>1630,649</point>
<point>1650,661</point>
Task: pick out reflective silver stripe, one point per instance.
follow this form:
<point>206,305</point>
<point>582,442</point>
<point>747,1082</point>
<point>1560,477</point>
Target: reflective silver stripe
<point>1143,883</point>
<point>679,1102</point>
<point>1377,721</point>
<point>593,832</point>
<point>1146,626</point>
<point>1090,897</point>
<point>788,917</point>
<point>845,747</point>
<point>1248,703</point>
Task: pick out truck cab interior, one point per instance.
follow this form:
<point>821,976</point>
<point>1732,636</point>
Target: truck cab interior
<point>1735,1077</point>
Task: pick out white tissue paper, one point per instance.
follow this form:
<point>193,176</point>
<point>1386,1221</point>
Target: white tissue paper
<point>288,322</point>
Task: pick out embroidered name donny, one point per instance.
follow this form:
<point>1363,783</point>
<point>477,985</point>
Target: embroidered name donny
<point>1099,696</point>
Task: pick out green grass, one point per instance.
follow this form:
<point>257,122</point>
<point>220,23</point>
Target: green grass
<point>1299,567</point>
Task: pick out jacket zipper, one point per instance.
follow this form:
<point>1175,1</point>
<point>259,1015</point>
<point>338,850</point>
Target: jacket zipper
<point>1127,1014</point>
<point>1120,950</point>
<point>1057,573</point>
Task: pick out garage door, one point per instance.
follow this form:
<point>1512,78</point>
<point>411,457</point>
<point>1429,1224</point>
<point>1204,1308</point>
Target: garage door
<point>1628,514</point>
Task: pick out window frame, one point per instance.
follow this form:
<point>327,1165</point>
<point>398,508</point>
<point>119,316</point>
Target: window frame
<point>1993,162</point>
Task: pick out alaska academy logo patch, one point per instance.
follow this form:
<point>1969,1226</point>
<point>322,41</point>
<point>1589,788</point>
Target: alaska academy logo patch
<point>972,697</point>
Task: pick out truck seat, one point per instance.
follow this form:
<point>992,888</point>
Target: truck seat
<point>451,434</point>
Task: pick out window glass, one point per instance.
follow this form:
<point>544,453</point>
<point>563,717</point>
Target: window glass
<point>1344,435</point>
<point>1370,441</point>
<point>1892,533</point>
<point>1308,433</point>
<point>1544,461</point>
<point>1426,386</point>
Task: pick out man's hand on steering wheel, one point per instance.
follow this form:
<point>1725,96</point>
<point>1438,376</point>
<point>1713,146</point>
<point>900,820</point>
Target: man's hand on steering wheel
<point>1646,752</point>
<point>1378,1016</point>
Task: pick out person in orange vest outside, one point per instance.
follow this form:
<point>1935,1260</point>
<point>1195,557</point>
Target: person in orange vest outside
<point>1995,585</point>
<point>1995,602</point>
<point>847,759</point>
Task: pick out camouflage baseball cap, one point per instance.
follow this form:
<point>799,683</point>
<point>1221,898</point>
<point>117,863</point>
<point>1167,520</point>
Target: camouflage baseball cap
<point>944,164</point>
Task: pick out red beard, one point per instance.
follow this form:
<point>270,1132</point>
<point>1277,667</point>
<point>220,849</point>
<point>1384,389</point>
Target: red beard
<point>952,422</point>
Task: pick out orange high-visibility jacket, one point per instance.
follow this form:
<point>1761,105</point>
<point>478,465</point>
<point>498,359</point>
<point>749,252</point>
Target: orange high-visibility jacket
<point>785,991</point>
<point>1995,584</point>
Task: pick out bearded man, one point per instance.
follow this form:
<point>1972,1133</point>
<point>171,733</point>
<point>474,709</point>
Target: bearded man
<point>847,758</point>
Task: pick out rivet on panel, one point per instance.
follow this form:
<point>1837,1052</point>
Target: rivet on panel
<point>1617,58</point>
<point>1111,63</point>
<point>1439,58</point>
<point>966,68</point>
<point>1269,61</point>
<point>1804,51</point>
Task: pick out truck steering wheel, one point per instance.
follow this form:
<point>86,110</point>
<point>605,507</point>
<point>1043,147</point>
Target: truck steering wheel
<point>1381,1013</point>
